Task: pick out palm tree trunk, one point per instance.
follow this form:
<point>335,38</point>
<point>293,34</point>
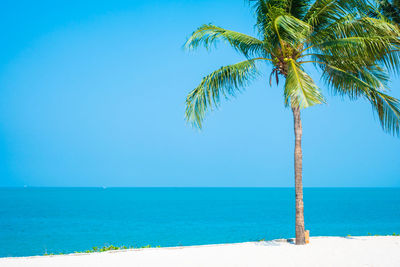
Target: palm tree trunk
<point>298,166</point>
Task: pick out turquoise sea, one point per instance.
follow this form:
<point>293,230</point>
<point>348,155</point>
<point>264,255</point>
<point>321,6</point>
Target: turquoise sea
<point>34,221</point>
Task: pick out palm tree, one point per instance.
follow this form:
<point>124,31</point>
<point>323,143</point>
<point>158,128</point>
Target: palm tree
<point>353,51</point>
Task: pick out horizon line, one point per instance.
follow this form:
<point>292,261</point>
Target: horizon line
<point>106,187</point>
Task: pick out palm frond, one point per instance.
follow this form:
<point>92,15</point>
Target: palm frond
<point>370,84</point>
<point>226,81</point>
<point>209,34</point>
<point>324,12</point>
<point>291,30</point>
<point>388,110</point>
<point>297,8</point>
<point>371,39</point>
<point>300,89</point>
<point>261,8</point>
<point>388,9</point>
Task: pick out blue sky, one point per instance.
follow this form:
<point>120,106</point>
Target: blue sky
<point>92,94</point>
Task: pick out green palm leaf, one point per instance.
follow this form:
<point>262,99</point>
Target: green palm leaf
<point>370,84</point>
<point>226,81</point>
<point>209,34</point>
<point>300,89</point>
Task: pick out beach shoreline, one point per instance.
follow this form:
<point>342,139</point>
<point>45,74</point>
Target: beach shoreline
<point>322,251</point>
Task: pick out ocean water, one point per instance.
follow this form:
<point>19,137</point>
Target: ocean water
<point>34,221</point>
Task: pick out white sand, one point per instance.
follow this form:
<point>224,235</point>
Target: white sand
<point>322,251</point>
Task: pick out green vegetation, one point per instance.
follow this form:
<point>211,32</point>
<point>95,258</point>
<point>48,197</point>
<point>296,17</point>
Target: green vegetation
<point>394,234</point>
<point>103,249</point>
<point>351,44</point>
<point>390,9</point>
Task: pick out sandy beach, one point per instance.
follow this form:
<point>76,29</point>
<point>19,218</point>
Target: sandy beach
<point>322,251</point>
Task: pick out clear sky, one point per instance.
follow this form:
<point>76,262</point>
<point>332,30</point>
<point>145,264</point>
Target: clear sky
<point>92,93</point>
